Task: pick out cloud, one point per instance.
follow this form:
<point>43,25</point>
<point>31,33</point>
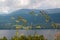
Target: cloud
<point>45,4</point>
<point>2,0</point>
<point>4,9</point>
<point>12,5</point>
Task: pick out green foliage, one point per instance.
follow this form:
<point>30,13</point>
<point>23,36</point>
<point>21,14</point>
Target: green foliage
<point>42,37</point>
<point>15,38</point>
<point>0,39</point>
<point>19,17</point>
<point>23,37</point>
<point>54,25</point>
<point>12,18</point>
<point>4,38</point>
<point>30,37</point>
<point>47,18</point>
<point>32,13</point>
<point>38,26</point>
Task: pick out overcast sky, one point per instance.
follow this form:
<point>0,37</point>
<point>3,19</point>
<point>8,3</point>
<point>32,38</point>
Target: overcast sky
<point>12,5</point>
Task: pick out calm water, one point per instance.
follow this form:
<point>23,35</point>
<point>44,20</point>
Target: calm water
<point>48,33</point>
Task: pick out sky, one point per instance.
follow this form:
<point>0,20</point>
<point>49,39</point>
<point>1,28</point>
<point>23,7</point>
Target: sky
<point>7,6</point>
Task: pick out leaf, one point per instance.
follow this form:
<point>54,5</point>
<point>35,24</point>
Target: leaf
<point>38,26</point>
<point>32,13</point>
<point>24,21</point>
<point>17,21</point>
<point>42,12</point>
<point>54,25</point>
<point>47,18</point>
<point>19,17</point>
<point>26,28</point>
<point>17,32</point>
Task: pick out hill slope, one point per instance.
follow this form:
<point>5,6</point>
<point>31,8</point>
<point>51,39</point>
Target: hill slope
<point>4,20</point>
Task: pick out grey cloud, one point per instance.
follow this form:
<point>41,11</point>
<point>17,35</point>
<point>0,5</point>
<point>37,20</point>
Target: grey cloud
<point>34,4</point>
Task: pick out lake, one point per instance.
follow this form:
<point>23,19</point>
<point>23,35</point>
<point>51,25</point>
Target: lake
<point>48,33</point>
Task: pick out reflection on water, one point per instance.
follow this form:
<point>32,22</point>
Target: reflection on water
<point>48,33</point>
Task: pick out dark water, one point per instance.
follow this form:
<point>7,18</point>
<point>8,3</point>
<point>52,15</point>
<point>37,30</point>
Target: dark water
<point>48,33</point>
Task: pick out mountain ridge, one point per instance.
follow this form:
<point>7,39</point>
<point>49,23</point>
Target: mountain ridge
<point>25,14</point>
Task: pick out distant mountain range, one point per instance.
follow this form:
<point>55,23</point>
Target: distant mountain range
<point>53,13</point>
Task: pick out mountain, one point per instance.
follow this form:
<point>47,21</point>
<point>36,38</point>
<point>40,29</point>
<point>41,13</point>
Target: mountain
<point>6,22</point>
<point>51,11</point>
